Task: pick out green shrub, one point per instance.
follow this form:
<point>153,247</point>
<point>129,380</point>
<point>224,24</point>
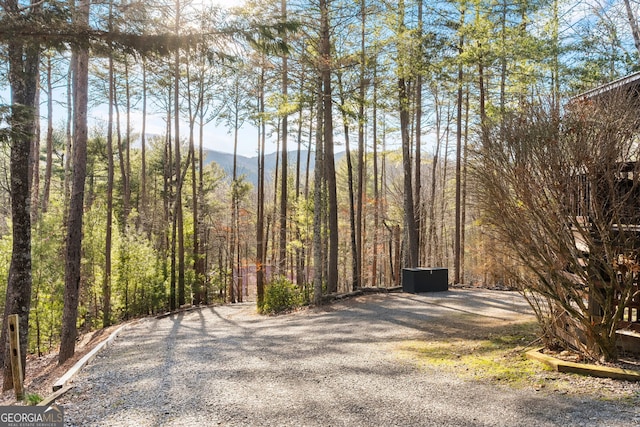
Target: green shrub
<point>32,399</point>
<point>280,295</point>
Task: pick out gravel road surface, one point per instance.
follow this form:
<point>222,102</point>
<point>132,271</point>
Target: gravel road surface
<point>333,366</point>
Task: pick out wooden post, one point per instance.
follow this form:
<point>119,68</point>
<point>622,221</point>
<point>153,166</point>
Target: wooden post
<point>16,360</point>
<point>398,241</point>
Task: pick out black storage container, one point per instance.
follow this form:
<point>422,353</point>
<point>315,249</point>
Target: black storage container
<point>416,280</point>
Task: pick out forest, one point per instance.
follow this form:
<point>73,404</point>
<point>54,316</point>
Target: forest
<point>375,110</point>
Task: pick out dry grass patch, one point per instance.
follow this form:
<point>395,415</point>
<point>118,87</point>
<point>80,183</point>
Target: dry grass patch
<point>497,357</point>
<point>495,353</point>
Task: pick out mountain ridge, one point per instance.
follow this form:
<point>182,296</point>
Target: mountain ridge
<point>248,166</point>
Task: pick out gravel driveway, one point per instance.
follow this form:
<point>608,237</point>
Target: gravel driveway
<point>333,366</point>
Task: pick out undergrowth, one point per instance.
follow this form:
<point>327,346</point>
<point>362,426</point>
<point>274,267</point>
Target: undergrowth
<point>281,296</point>
<point>32,399</point>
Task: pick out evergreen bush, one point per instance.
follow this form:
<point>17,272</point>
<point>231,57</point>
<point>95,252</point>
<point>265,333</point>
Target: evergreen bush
<point>280,296</point>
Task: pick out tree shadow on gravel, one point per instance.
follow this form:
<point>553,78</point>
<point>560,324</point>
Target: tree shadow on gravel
<point>324,366</point>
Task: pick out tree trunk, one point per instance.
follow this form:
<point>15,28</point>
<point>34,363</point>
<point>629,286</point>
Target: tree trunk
<point>260,243</point>
<point>355,268</point>
<point>68,152</point>
<point>178,168</point>
<point>330,168</point>
<point>234,244</point>
<point>143,146</point>
<point>411,231</point>
<point>432,238</point>
<point>34,160</point>
<point>358,280</point>
<point>201,260</point>
<point>634,25</point>
<point>376,191</point>
<point>308,253</point>
<point>48,171</point>
<point>76,202</point>
<point>284,132</point>
<point>418,146</point>
<point>274,218</point>
<point>198,258</point>
<point>106,280</point>
<point>126,178</point>
<point>318,269</point>
<point>23,77</point>
<point>235,225</point>
<point>383,194</point>
<point>443,253</point>
<point>299,258</point>
<point>458,208</point>
<point>169,239</point>
<point>192,165</point>
<point>463,207</point>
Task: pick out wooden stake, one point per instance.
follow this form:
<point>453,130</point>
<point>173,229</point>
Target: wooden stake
<point>16,360</point>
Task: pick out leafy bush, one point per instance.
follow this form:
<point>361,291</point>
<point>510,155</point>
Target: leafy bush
<point>280,295</point>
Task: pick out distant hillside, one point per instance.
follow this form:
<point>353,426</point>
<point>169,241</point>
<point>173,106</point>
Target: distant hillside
<point>248,166</point>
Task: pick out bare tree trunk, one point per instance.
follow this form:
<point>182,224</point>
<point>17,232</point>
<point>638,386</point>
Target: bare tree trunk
<point>398,262</point>
<point>193,114</point>
<point>555,66</point>
<point>418,147</point>
<point>74,223</point>
<point>458,207</point>
<point>126,178</point>
<point>300,251</point>
<point>282,257</point>
<point>463,213</point>
<point>308,253</point>
<point>483,111</point>
<point>143,146</point>
<point>34,159</point>
<point>443,248</point>
<point>201,260</point>
<point>178,167</point>
<point>503,59</point>
<point>169,240</point>
<point>411,231</point>
<point>106,280</point>
<point>235,245</point>
<point>432,235</point>
<point>409,213</point>
<point>311,136</point>
<point>48,171</point>
<point>69,135</point>
<point>330,169</point>
<point>358,281</point>
<point>376,191</point>
<point>173,297</point>
<point>274,217</point>
<point>634,25</point>
<point>23,77</point>
<point>355,257</point>
<point>234,203</point>
<point>383,194</point>
<point>260,243</point>
<point>318,269</point>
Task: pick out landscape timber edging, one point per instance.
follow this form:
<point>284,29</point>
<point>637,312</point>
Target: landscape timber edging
<point>86,359</point>
<point>52,397</point>
<point>583,368</point>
